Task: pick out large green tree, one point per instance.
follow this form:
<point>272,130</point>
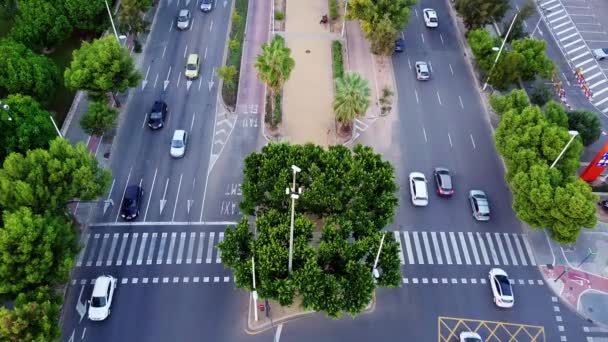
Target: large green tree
<point>478,13</point>
<point>46,180</point>
<point>483,46</point>
<point>99,118</point>
<point>24,126</point>
<point>587,124</point>
<point>87,15</point>
<point>518,31</point>
<point>516,100</point>
<point>24,72</point>
<point>35,250</point>
<point>102,66</point>
<point>34,318</point>
<point>371,12</point>
<point>351,98</point>
<point>274,65</point>
<point>131,16</point>
<point>556,114</point>
<point>40,24</point>
<point>535,60</point>
<point>382,38</point>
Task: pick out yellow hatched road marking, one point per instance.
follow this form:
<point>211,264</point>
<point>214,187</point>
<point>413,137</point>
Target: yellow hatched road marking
<point>449,328</point>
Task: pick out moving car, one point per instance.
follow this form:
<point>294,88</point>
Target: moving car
<point>179,143</point>
<point>192,66</point>
<point>206,5</point>
<point>131,202</point>
<point>479,205</point>
<point>600,54</point>
<point>501,288</point>
<point>418,190</point>
<point>422,71</point>
<point>158,114</point>
<point>101,299</point>
<point>183,19</point>
<point>430,17</point>
<point>468,336</point>
<point>399,45</point>
<point>443,180</point>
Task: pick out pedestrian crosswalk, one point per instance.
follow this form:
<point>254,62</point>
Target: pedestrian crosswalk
<point>128,249</point>
<point>463,248</point>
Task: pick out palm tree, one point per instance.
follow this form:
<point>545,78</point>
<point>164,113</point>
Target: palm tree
<point>352,98</point>
<point>274,65</point>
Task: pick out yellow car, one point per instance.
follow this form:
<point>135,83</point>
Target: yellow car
<point>192,66</point>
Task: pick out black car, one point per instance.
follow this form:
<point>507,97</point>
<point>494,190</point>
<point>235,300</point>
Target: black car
<point>399,45</point>
<point>443,180</point>
<point>131,202</point>
<point>158,114</point>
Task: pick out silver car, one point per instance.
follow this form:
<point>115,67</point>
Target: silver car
<point>206,5</point>
<point>179,143</point>
<point>183,19</point>
<point>479,205</point>
<point>600,54</point>
<point>422,71</point>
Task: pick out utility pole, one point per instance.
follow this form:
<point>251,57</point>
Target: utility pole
<point>375,270</point>
<point>500,51</point>
<point>294,196</point>
<point>254,294</point>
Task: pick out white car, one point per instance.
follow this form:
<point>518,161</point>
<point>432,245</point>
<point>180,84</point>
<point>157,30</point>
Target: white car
<point>501,288</point>
<point>600,54</point>
<point>420,196</point>
<point>422,71</point>
<point>468,336</point>
<point>179,143</point>
<point>101,299</point>
<point>430,17</point>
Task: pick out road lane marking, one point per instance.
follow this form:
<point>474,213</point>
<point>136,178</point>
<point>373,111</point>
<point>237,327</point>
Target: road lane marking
<point>142,247</point>
<point>455,248</point>
<point>482,248</point>
<point>439,98</point>
<point>452,70</point>
<point>436,247</point>
<point>465,250</point>
<point>277,335</point>
<point>151,249</point>
<point>446,248</point>
<point>132,249</point>
<point>424,132</point>
<point>218,257</point>
<point>520,251</point>
<point>473,248</point>
<point>164,50</point>
<point>408,247</point>
<point>177,196</point>
<point>190,248</point>
<point>211,26</point>
<point>121,251</point>
<point>421,35</point>
<point>192,122</point>
<point>409,63</point>
<point>84,249</point>
<point>398,239</point>
<point>102,250</point>
<point>492,250</point>
<point>441,37</point>
<point>450,139</point>
<point>510,249</point>
<point>416,93</point>
<point>199,250</point>
<point>427,247</point>
<point>161,249</point>
<point>151,189</point>
<point>418,249</point>
<point>529,250</point>
<point>180,249</point>
<point>501,249</point>
<point>171,246</point>
<point>115,239</point>
<point>472,141</point>
<point>93,248</point>
<point>210,247</point>
<point>461,104</point>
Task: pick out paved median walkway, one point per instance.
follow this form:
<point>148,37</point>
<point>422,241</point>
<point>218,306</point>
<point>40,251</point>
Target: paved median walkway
<point>308,94</point>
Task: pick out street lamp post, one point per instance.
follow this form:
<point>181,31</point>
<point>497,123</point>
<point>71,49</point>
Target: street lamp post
<point>254,294</point>
<point>6,108</point>
<point>500,51</point>
<point>294,196</point>
<point>344,21</point>
<point>573,134</point>
<point>375,272</point>
<point>568,269</point>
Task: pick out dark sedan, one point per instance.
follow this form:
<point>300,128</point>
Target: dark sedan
<point>131,202</point>
<point>157,116</point>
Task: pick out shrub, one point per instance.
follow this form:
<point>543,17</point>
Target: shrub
<point>136,46</point>
<point>337,61</point>
<point>237,32</point>
<point>278,15</point>
<point>333,9</point>
<point>274,117</point>
<point>540,94</point>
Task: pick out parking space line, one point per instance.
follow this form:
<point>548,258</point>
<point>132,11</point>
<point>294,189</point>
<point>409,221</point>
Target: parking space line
<point>180,248</point>
<point>418,249</point>
<point>102,250</point>
<point>171,247</point>
<point>151,249</point>
<point>210,247</point>
<point>408,247</point>
<point>112,249</point>
<point>398,240</point>
<point>132,249</point>
<point>446,249</point>
<point>474,248</point>
<point>598,83</point>
<point>572,43</point>
<point>121,251</point>
<point>427,247</point>
<point>436,246</point>
<point>199,250</point>
<point>465,250</point>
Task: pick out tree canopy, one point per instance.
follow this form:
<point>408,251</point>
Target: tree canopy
<point>274,64</point>
<point>99,118</point>
<point>478,13</point>
<point>24,126</point>
<point>371,13</point>
<point>24,72</point>
<point>352,97</point>
<point>46,180</point>
<point>586,123</point>
<point>86,15</point>
<point>40,24</point>
<point>353,195</point>
<point>102,66</point>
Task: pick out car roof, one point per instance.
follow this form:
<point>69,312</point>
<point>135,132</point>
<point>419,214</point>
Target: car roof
<point>422,66</point>
<point>184,11</point>
<point>158,106</point>
<point>207,1</point>
<point>132,191</point>
<point>179,134</point>
<point>477,193</point>
<point>101,286</point>
<point>192,58</point>
<point>431,12</point>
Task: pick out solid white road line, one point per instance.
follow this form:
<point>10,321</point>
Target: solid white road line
<point>569,36</point>
<point>452,70</point>
<point>436,247</point>
<point>501,249</point>
<point>520,251</point>
<point>93,248</point>
<point>418,249</point>
<point>398,239</point>
<point>408,247</point>
<point>151,250</point>
<point>482,248</point>
<point>455,248</point>
<point>84,248</point>
<point>115,239</point>
<point>492,250</point>
<point>190,248</point>
<point>171,247</point>
<point>465,250</point>
<point>123,195</point>
<point>177,196</point>
<point>150,193</point>
<point>424,131</point>
<point>450,139</point>
<point>427,247</point>
<point>473,248</point>
<point>218,257</point>
<point>461,104</point>
<point>102,250</point>
<point>529,250</point>
<point>446,249</point>
<point>161,248</point>
<point>142,248</point>
<point>416,93</point>
<point>210,247</point>
<point>510,249</point>
<point>132,249</point>
<point>121,251</point>
<point>277,335</point>
<point>180,249</point>
<point>199,249</point>
<point>439,98</point>
<point>472,141</point>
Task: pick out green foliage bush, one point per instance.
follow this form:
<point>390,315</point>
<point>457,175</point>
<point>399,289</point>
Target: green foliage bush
<point>337,59</point>
<point>278,15</point>
<point>274,114</point>
<point>333,9</point>
<point>237,33</point>
<point>540,94</point>
<point>587,124</point>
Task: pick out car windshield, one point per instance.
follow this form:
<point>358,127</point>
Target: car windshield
<point>182,18</point>
<point>191,67</point>
<point>177,143</point>
<point>433,20</point>
<point>446,180</point>
<point>98,302</point>
<point>129,203</point>
<point>156,115</point>
<point>471,339</point>
<point>424,73</point>
<point>505,286</point>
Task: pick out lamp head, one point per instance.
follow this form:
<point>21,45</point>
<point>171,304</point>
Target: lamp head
<point>295,168</point>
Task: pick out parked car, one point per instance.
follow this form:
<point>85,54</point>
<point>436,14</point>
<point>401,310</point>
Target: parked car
<point>206,5</point>
<point>600,54</point>
<point>501,288</point>
<point>479,205</point>
<point>158,114</point>
<point>469,336</point>
<point>443,180</point>
<point>101,299</point>
<point>131,202</point>
<point>430,17</point>
<point>192,66</point>
<point>418,189</point>
<point>179,143</point>
<point>422,71</point>
<point>399,45</point>
<point>183,19</point>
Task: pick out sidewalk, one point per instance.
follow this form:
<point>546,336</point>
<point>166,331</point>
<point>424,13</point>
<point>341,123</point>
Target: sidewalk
<point>308,94</point>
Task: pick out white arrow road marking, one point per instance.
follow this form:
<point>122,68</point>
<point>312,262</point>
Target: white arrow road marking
<point>189,205</point>
<point>150,198</point>
<point>155,80</point>
<point>108,201</point>
<point>225,3</point>
<point>166,83</point>
<point>145,81</point>
<point>164,201</point>
<point>220,131</point>
<point>188,84</point>
<point>71,339</point>
<point>81,307</point>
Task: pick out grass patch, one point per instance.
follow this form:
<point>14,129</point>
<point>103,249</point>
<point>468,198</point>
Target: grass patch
<point>333,9</point>
<point>62,100</point>
<point>278,15</point>
<point>273,117</point>
<point>237,33</point>
<point>337,59</point>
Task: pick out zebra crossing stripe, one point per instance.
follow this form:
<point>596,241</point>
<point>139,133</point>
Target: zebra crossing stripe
<point>210,247</point>
<point>529,250</point>
<point>218,257</point>
<point>427,246</point>
<point>171,247</point>
<point>482,248</point>
<point>161,248</point>
<point>510,249</point>
<point>142,248</point>
<point>190,248</point>
<point>492,250</point>
<point>455,248</point>
<point>418,249</point>
<point>121,252</point>
<point>446,249</point>
<point>112,249</point>
<point>132,248</point>
<point>398,239</point>
<point>474,248</point>
<point>92,251</point>
<point>436,246</point>
<point>180,249</point>
<point>199,251</point>
<point>151,251</point>
<point>465,250</point>
<point>102,250</point>
<point>83,250</point>
<point>408,247</point>
<point>501,249</point>
<point>520,251</point>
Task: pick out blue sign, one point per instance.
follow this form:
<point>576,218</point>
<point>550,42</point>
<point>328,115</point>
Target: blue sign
<point>603,161</point>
